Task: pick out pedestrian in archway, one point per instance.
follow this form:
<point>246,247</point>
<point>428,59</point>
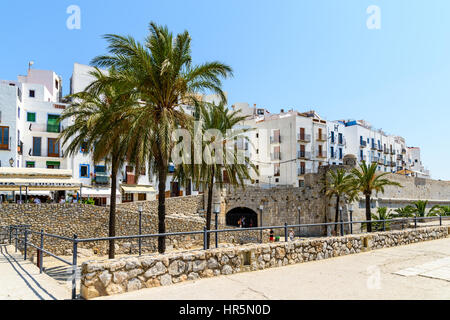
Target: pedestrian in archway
<point>271,235</point>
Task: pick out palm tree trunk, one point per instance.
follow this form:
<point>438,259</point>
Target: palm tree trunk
<point>162,174</point>
<point>368,215</point>
<point>112,209</point>
<point>209,207</point>
<point>337,213</point>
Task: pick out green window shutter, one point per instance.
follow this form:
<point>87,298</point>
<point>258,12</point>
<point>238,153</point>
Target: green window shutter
<point>53,123</point>
<point>31,117</point>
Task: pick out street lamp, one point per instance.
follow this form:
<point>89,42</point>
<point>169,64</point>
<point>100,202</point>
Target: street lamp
<point>216,212</point>
<point>261,208</point>
<point>350,209</point>
<point>140,209</point>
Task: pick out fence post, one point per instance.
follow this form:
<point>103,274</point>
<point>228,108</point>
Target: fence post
<point>74,267</point>
<point>25,245</point>
<point>384,225</point>
<point>140,232</point>
<point>41,254</point>
<point>351,221</point>
<point>205,238</point>
<point>440,219</point>
<point>285,232</point>
<point>16,239</point>
<point>10,234</point>
<point>415,221</point>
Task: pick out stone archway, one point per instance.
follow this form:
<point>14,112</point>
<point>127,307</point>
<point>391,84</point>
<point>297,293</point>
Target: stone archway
<point>249,215</point>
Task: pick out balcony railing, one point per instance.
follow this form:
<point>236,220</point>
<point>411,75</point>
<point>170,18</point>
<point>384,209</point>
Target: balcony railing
<point>386,150</point>
<point>380,148</point>
<point>375,159</point>
<point>403,151</point>
<point>380,161</point>
<point>275,139</point>
<point>393,152</point>
<point>400,157</point>
<point>276,173</point>
<point>45,127</point>
<point>363,144</point>
<point>373,147</point>
<point>321,137</point>
<point>275,156</point>
<point>362,158</point>
<point>321,154</point>
<point>303,137</point>
<point>302,171</point>
<point>341,142</point>
<point>101,178</point>
<point>37,153</point>
<point>303,155</point>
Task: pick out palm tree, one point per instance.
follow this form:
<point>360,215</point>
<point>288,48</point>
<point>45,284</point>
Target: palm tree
<point>162,74</point>
<point>232,169</point>
<point>382,214</point>
<point>421,209</point>
<point>100,127</point>
<point>338,184</point>
<point>367,181</point>
<point>405,212</point>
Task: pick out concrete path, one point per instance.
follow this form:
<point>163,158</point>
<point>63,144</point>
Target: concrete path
<point>20,280</point>
<point>416,271</point>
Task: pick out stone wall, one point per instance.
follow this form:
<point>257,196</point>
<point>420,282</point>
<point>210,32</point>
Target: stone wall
<point>87,221</point>
<point>133,273</point>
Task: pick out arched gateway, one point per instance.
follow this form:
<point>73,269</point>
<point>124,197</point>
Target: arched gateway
<point>249,217</point>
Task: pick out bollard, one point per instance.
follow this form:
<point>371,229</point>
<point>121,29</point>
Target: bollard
<point>205,238</point>
<point>285,232</point>
<point>41,254</point>
<point>74,267</point>
<point>25,245</point>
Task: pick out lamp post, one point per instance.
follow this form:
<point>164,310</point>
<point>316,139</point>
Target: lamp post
<point>350,209</point>
<point>140,209</point>
<point>261,208</point>
<point>216,212</point>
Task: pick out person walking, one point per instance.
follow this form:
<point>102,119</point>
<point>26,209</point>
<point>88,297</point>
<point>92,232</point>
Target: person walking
<point>271,235</point>
<point>291,235</point>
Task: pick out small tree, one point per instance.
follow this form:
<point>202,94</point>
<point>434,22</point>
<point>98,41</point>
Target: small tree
<point>339,184</point>
<point>366,180</point>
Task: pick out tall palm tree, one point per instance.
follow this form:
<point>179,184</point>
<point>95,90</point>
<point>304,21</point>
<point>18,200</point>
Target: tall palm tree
<point>101,128</point>
<point>338,184</point>
<point>366,180</point>
<point>161,72</point>
<point>231,169</point>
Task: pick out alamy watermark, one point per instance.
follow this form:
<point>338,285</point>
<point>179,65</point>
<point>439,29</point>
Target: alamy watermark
<point>374,20</point>
<point>73,22</point>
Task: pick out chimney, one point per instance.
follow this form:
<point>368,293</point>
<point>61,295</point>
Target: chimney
<point>282,110</point>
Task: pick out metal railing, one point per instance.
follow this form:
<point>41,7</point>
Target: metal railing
<point>20,235</point>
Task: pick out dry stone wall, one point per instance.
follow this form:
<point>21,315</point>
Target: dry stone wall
<point>100,278</point>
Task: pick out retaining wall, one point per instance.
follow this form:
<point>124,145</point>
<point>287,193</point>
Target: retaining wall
<point>133,273</point>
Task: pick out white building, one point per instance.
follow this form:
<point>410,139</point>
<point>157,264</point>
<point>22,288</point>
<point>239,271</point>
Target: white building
<point>284,146</point>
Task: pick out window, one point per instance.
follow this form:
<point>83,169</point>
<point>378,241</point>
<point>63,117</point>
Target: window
<point>277,180</point>
<point>301,183</point>
<point>53,164</point>
<point>56,84</point>
<point>53,147</point>
<point>332,136</point>
<point>340,138</point>
<point>37,146</point>
<point>84,171</point>
<point>4,138</point>
<point>53,123</point>
<point>257,135</point>
<point>18,113</point>
<point>340,153</point>
<point>31,93</point>
<point>127,197</point>
<point>30,164</point>
<point>332,152</point>
<point>31,116</point>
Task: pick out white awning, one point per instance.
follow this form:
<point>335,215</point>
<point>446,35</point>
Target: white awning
<point>33,184</point>
<point>138,189</point>
<point>9,172</point>
<point>98,192</point>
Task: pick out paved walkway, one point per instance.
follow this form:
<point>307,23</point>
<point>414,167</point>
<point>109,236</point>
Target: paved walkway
<point>20,280</point>
<point>416,271</point>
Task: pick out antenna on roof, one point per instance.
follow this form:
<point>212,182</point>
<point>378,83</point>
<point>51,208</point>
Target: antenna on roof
<point>30,64</point>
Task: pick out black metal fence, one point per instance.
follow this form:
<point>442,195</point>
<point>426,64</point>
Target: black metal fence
<point>19,235</point>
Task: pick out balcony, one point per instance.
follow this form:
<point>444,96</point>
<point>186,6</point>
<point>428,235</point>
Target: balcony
<point>321,137</point>
<point>386,150</point>
<point>321,154</point>
<point>400,157</point>
<point>375,159</point>
<point>276,172</point>
<point>101,178</point>
<point>403,151</point>
<point>373,146</point>
<point>38,153</point>
<point>362,144</point>
<point>380,148</point>
<point>275,156</point>
<point>380,161</point>
<point>393,152</point>
<point>45,127</point>
<point>302,171</point>
<point>303,155</point>
<point>275,139</point>
<point>20,148</point>
<point>303,137</point>
<point>362,158</point>
<point>341,142</point>
<point>393,164</point>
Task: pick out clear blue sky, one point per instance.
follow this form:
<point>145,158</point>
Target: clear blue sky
<point>306,54</point>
